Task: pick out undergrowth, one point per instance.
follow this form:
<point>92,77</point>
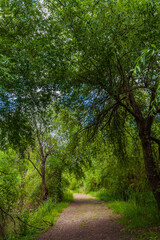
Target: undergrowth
<point>140,218</point>
<point>38,221</point>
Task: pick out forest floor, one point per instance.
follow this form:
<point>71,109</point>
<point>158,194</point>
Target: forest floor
<point>86,218</point>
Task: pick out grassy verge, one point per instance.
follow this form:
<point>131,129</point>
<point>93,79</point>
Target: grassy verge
<point>78,190</point>
<point>37,222</point>
<point>141,220</point>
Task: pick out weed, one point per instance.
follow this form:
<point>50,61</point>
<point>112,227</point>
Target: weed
<point>137,218</point>
<point>44,217</point>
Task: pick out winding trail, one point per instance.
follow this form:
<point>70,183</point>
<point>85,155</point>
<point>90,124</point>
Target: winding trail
<point>86,218</point>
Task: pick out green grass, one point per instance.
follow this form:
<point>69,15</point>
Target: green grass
<point>147,234</point>
<point>135,215</point>
<point>78,190</point>
<point>103,195</point>
<point>140,219</point>
<point>43,218</point>
<point>68,196</point>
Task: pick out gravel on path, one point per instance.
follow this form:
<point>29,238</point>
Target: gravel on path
<point>86,218</point>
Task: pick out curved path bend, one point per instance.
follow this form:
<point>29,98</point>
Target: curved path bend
<point>86,218</point>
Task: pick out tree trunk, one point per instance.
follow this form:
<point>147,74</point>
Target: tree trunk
<point>44,187</point>
<point>150,166</point>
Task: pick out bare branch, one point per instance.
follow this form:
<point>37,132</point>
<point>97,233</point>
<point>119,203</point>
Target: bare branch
<point>61,3</point>
<point>27,223</point>
<point>2,210</point>
<point>125,106</point>
<point>33,164</point>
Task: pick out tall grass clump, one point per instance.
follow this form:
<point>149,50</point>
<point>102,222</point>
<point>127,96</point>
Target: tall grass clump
<point>38,221</point>
<point>67,196</point>
<point>138,211</point>
<point>136,215</point>
<point>104,195</point>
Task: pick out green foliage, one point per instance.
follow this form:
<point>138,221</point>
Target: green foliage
<point>9,178</point>
<point>33,187</point>
<point>35,222</point>
<point>139,216</point>
<point>146,234</point>
<point>68,196</point>
<point>103,195</point>
<point>135,214</point>
<point>122,178</point>
<point>98,63</point>
<point>105,41</point>
<point>74,183</point>
<point>9,187</point>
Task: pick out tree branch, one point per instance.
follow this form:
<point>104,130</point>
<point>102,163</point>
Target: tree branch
<point>2,210</point>
<point>34,165</point>
<point>125,106</point>
<point>27,223</point>
<point>136,111</point>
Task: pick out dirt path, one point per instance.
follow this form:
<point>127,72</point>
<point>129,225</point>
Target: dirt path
<point>85,219</point>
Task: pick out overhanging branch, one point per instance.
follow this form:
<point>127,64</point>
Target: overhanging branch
<point>125,106</point>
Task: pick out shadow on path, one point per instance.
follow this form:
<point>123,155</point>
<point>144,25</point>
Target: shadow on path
<point>85,219</point>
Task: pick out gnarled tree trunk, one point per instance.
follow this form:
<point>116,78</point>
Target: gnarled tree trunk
<point>150,166</point>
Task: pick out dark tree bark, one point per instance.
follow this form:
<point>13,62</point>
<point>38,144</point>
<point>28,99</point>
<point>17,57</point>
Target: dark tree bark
<point>144,126</point>
<point>150,166</point>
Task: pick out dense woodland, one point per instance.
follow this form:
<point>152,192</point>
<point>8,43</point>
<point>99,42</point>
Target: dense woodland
<point>79,110</point>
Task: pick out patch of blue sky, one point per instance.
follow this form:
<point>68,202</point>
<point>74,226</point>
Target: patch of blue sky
<point>7,104</point>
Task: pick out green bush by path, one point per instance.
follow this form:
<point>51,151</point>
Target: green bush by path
<point>103,195</point>
<point>37,222</point>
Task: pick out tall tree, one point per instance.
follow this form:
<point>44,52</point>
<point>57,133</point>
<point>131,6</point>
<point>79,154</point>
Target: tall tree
<point>43,127</point>
<point>113,62</point>
<point>103,56</point>
<point>25,60</point>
